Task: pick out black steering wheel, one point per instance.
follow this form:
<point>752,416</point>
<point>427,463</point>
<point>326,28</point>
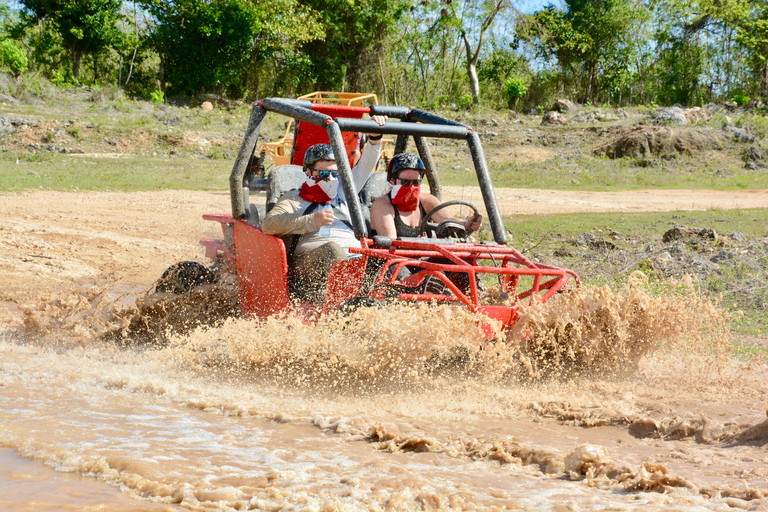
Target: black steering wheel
<point>447,228</point>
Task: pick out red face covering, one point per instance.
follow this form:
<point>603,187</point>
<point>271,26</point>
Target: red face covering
<point>406,198</point>
<point>318,191</point>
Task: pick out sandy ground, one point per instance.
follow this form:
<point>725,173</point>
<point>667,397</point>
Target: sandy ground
<point>55,240</point>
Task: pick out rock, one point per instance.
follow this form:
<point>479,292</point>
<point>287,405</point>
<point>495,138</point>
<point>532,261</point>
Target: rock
<point>9,99</point>
<point>667,115</point>
<point>752,166</point>
<point>554,118</point>
<point>678,233</point>
<point>622,113</point>
<point>583,117</point>
<point>591,241</point>
<point>731,105</point>
<point>722,256</point>
<point>677,250</point>
<point>738,236</point>
<point>739,134</point>
<point>752,154</point>
<point>585,239</point>
<point>207,106</point>
<point>563,105</point>
<point>664,256</point>
<point>705,267</point>
<point>708,234</point>
<point>728,121</point>
<point>605,118</point>
<point>697,115</point>
<point>647,141</point>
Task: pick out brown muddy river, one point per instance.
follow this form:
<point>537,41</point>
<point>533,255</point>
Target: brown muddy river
<point>374,414</point>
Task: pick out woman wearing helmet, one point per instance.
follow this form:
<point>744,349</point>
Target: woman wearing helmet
<point>400,213</point>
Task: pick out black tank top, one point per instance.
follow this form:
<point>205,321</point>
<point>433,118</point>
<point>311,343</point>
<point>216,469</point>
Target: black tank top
<point>403,229</point>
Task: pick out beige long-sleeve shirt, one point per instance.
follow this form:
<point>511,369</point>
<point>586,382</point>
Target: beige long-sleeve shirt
<point>287,216</point>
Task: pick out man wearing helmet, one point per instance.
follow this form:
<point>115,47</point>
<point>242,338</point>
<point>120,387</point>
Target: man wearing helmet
<point>399,213</point>
<point>319,215</point>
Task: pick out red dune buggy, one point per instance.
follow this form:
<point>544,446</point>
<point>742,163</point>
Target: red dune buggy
<point>263,261</point>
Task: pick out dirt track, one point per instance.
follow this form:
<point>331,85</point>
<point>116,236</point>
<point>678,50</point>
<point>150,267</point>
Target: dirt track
<point>55,240</point>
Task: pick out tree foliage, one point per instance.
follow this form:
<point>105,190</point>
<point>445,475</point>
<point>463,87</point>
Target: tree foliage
<point>86,27</point>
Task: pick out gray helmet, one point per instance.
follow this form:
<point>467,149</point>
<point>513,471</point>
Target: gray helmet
<point>404,161</point>
<point>318,152</point>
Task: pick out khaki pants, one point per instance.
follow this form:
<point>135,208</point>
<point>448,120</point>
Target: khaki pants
<point>311,269</point>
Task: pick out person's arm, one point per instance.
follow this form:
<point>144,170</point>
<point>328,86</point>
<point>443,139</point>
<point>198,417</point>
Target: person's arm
<point>383,218</point>
<point>285,219</point>
<point>367,163</point>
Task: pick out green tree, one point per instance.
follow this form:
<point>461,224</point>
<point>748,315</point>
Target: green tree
<point>208,45</point>
<point>589,38</point>
<point>354,42</point>
<point>473,19</point>
<point>86,27</point>
<point>13,57</point>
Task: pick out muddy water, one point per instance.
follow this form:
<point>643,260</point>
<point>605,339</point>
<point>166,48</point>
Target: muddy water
<point>387,410</point>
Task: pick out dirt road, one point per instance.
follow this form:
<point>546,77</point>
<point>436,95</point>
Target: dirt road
<point>55,240</point>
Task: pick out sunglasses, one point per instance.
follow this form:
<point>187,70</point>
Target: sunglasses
<point>324,174</point>
<point>405,183</point>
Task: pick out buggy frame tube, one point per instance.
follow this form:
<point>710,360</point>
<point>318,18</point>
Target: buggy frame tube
<point>486,188</point>
<point>423,116</point>
<point>299,111</point>
<point>426,156</point>
<point>347,182</point>
<point>429,130</point>
<point>401,144</point>
<point>241,162</point>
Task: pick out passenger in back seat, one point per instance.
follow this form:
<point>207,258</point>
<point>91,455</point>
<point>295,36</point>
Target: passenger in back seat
<point>318,213</point>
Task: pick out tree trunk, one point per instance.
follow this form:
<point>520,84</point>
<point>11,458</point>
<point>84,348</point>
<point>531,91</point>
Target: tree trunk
<point>162,73</point>
<point>472,58</point>
<point>764,81</point>
<point>76,57</point>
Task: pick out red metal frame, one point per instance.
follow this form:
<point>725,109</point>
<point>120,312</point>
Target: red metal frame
<point>262,269</point>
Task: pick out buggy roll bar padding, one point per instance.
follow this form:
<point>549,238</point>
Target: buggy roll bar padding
<point>347,181</point>
<point>390,111</point>
<point>297,109</point>
<point>241,162</point>
<point>431,172</point>
<point>427,130</point>
<point>428,117</point>
<point>486,188</point>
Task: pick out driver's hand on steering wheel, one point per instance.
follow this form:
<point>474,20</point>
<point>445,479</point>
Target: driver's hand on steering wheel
<point>474,223</point>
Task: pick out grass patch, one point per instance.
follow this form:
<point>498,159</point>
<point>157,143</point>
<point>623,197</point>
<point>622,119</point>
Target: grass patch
<point>742,282</point>
<point>19,172</point>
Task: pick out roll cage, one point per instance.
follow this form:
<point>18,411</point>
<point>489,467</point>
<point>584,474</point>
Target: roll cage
<point>337,121</point>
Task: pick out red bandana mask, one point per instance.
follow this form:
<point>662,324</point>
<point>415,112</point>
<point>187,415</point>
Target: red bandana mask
<point>319,191</point>
<point>406,198</point>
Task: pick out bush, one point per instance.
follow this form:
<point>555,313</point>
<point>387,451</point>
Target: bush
<point>514,89</point>
<point>156,97</point>
<point>741,98</point>
<point>13,57</point>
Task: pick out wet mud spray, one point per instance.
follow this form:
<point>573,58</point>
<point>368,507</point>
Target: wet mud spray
<point>598,399</point>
